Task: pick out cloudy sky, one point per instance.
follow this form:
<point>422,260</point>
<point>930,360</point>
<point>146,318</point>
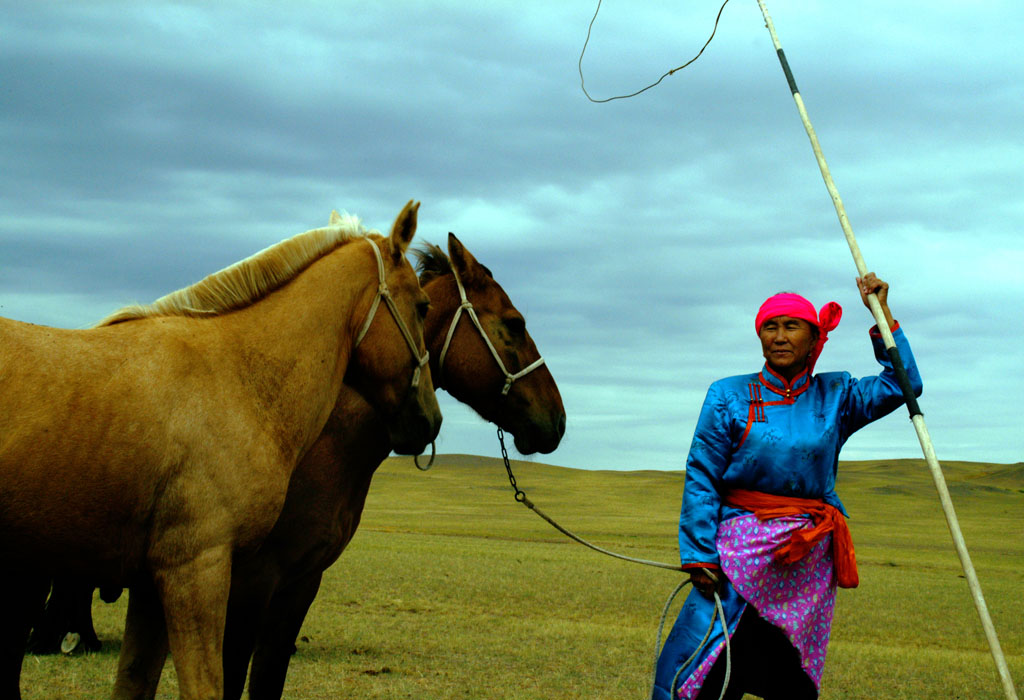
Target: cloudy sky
<point>144,145</point>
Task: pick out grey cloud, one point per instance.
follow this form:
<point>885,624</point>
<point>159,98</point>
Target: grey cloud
<point>145,147</point>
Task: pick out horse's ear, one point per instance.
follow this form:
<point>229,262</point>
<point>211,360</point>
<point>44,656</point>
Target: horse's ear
<point>469,270</point>
<point>404,229</point>
<point>335,218</point>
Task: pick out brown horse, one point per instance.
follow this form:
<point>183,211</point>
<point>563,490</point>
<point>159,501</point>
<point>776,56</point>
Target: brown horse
<point>271,593</point>
<point>153,449</point>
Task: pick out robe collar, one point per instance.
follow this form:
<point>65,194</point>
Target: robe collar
<point>777,384</point>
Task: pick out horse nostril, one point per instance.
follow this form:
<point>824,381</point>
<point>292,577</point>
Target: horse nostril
<point>561,425</point>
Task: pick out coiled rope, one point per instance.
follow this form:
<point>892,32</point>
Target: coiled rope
<point>718,616</point>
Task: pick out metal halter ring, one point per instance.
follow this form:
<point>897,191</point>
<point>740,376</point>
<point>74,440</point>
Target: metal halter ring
<point>433,453</point>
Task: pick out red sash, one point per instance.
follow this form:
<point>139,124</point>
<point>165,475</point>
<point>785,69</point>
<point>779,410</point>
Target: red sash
<point>826,519</point>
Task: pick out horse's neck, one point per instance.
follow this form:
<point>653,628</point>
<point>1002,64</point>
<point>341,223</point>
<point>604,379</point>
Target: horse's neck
<point>354,441</point>
<point>328,489</point>
<point>339,466</point>
<point>358,434</point>
<point>292,348</point>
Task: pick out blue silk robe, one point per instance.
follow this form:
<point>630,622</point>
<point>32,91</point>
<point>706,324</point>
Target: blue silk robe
<point>761,433</point>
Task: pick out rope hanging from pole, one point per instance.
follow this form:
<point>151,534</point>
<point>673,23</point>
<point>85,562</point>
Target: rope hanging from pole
<point>890,344</point>
<point>590,27</point>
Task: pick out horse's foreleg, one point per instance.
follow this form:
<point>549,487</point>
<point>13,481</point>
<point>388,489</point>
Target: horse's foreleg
<point>276,642</point>
<point>24,595</point>
<point>144,649</point>
<point>195,596</point>
<point>50,627</point>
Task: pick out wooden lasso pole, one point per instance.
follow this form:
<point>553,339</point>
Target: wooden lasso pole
<point>915,412</point>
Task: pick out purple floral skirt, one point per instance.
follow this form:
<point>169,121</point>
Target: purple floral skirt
<point>797,598</point>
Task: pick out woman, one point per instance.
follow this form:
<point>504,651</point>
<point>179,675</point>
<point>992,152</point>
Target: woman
<point>761,523</point>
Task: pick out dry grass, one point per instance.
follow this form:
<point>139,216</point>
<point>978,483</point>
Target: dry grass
<point>452,590</point>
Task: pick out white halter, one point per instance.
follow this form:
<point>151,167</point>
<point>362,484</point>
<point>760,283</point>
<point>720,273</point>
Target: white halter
<point>384,293</point>
<point>468,306</point>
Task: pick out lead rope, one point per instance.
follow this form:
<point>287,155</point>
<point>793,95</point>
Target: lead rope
<point>719,614</point>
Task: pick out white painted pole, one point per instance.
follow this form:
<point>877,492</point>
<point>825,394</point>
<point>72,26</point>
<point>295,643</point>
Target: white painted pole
<point>915,414</point>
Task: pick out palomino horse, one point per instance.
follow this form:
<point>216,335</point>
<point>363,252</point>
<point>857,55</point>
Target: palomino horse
<point>150,450</point>
<point>272,591</point>
<point>491,364</point>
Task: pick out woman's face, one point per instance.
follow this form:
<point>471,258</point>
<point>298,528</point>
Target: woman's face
<point>786,343</point>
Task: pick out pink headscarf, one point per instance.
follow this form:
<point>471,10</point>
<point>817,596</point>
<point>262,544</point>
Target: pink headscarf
<point>796,306</point>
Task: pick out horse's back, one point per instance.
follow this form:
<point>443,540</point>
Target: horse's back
<point>129,374</point>
<point>86,442</point>
<point>109,435</point>
<point>59,506</point>
<point>62,391</point>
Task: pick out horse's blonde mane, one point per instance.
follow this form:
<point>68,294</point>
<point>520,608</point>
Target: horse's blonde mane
<point>251,279</point>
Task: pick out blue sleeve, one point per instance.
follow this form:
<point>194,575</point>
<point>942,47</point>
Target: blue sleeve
<point>710,454</point>
<point>871,398</point>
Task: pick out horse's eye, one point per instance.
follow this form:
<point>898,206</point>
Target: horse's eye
<point>516,325</point>
<point>422,308</point>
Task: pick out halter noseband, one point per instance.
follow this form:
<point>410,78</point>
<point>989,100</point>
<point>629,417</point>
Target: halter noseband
<point>468,306</point>
<point>384,293</point>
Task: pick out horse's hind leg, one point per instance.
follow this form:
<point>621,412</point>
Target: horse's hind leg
<point>247,606</point>
<point>276,642</point>
<point>144,649</point>
<point>24,595</point>
<point>195,598</point>
<point>238,644</point>
<point>81,617</point>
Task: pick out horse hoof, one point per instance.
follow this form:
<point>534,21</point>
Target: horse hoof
<point>70,642</point>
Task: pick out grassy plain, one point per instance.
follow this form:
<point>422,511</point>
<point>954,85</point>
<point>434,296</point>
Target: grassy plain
<point>453,590</point>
